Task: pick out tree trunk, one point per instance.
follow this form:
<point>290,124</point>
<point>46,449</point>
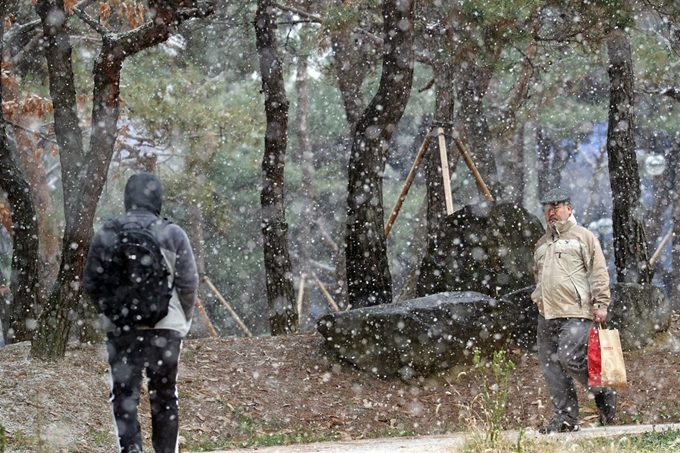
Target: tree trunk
<point>513,175</point>
<point>194,230</point>
<point>630,243</point>
<point>674,287</point>
<point>309,211</point>
<point>513,178</point>
<point>351,65</point>
<point>472,86</point>
<point>594,193</point>
<point>18,319</point>
<point>543,149</point>
<point>368,275</point>
<point>409,288</point>
<point>662,188</point>
<point>550,161</point>
<point>283,316</point>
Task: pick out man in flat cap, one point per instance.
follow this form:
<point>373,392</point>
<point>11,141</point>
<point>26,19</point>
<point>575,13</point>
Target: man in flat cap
<point>572,293</point>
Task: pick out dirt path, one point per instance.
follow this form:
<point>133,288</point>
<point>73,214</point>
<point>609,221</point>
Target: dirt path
<point>448,444</point>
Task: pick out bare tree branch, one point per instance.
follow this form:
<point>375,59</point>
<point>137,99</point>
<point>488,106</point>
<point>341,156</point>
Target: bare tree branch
<point>311,17</point>
<point>89,20</point>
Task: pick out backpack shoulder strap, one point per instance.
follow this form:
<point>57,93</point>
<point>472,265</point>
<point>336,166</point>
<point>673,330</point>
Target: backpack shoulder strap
<point>157,225</point>
<point>112,224</point>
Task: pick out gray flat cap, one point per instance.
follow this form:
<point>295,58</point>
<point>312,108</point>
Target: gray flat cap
<point>557,195</point>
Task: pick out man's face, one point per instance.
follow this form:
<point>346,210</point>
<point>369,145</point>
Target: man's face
<point>556,211</point>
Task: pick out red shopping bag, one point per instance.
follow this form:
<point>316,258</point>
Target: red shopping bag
<point>594,358</point>
<point>606,366</point>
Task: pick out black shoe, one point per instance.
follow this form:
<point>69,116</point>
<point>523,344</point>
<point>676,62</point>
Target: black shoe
<point>559,424</point>
<point>606,406</point>
<point>133,449</point>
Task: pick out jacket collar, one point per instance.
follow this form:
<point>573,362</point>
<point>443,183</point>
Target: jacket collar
<point>562,225</point>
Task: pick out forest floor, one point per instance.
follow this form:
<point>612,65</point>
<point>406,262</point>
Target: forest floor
<point>239,392</point>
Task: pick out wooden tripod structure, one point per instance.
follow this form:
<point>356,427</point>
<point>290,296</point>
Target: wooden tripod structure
<point>445,173</point>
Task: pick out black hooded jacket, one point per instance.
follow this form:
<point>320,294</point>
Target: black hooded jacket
<point>143,201</point>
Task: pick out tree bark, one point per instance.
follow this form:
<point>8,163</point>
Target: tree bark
<point>351,65</point>
<point>283,316</point>
<point>473,83</point>
<point>18,319</point>
<point>512,132</point>
<point>630,243</point>
<point>368,275</point>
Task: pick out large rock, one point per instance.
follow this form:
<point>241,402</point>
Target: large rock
<point>487,248</point>
<point>638,312</point>
<point>523,327</point>
<point>433,333</point>
<point>419,336</point>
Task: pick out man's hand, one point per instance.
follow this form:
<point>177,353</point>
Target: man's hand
<point>599,315</point>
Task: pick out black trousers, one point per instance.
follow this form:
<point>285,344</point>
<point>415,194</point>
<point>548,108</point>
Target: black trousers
<point>156,352</point>
<point>563,354</point>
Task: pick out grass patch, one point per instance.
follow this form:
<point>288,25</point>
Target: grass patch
<point>261,439</point>
<point>657,441</point>
<point>389,432</point>
<point>667,441</point>
<point>252,431</point>
<point>19,440</point>
<point>100,436</point>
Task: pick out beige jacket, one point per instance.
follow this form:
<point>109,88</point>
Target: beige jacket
<point>570,271</point>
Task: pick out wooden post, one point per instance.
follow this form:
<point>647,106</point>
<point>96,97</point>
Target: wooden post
<point>204,315</point>
<point>658,250</point>
<point>407,185</point>
<point>445,171</point>
<point>228,307</point>
<point>471,165</point>
<point>325,292</point>
<point>301,293</point>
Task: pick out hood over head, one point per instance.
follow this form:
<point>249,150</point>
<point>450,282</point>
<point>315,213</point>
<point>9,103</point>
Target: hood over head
<point>144,191</point>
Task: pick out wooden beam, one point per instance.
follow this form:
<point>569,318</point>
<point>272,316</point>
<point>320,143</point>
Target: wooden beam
<point>659,249</point>
<point>228,307</point>
<point>407,185</point>
<point>301,293</point>
<point>446,178</point>
<point>330,300</point>
<point>471,165</point>
<point>204,315</point>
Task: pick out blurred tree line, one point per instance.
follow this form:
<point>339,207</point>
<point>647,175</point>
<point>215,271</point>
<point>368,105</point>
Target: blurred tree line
<point>94,91</point>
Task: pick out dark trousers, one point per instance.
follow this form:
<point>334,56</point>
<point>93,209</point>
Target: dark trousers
<point>155,351</point>
<point>563,354</point>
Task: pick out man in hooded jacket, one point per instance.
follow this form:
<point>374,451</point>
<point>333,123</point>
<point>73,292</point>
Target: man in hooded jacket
<point>572,292</point>
<point>154,350</point>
